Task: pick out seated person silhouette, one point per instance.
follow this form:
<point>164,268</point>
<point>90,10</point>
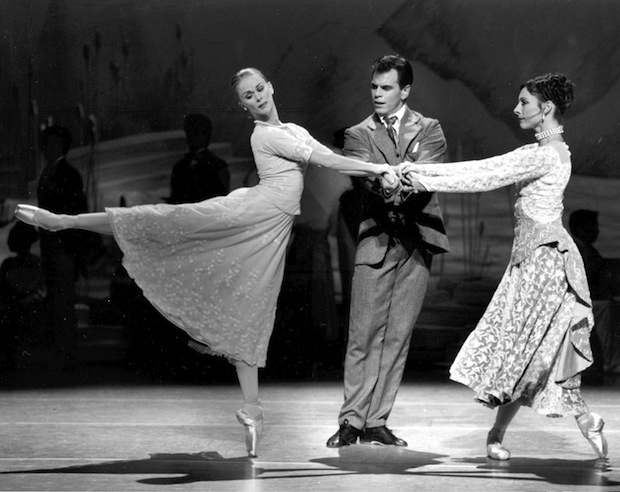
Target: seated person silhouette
<point>200,174</point>
<point>22,292</point>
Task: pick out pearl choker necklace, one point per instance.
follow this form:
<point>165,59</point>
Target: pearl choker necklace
<point>547,133</point>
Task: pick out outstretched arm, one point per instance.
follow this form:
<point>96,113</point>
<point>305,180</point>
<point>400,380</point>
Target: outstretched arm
<point>353,167</point>
<point>520,165</point>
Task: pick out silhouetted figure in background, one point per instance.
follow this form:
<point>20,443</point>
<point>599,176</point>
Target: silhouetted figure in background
<point>22,292</point>
<point>347,222</point>
<point>584,227</point>
<point>61,190</point>
<point>200,174</point>
<point>347,225</point>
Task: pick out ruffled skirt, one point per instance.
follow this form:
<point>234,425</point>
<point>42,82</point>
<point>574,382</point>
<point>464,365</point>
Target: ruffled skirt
<point>527,345</point>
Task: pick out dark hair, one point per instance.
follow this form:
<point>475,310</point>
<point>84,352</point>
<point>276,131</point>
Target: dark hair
<point>398,63</point>
<point>245,72</point>
<point>580,217</point>
<point>554,87</point>
<point>195,122</point>
<point>60,132</point>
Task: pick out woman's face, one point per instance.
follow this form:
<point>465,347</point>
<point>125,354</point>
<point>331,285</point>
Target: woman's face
<point>529,110</point>
<point>256,95</point>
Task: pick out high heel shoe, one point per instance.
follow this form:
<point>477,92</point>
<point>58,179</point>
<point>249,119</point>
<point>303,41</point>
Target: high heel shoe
<point>253,430</point>
<point>496,451</point>
<point>591,426</point>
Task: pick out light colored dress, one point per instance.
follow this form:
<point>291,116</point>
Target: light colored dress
<point>528,344</point>
<point>215,268</point>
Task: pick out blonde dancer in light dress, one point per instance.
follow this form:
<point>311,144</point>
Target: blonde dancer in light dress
<point>215,268</point>
<point>532,342</point>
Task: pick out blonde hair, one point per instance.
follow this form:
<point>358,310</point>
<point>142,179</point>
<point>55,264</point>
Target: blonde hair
<point>246,72</point>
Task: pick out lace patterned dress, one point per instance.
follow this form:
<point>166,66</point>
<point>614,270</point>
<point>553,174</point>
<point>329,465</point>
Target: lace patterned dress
<point>533,339</point>
<point>215,268</point>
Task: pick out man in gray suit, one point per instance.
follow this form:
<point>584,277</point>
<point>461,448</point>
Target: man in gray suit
<point>397,237</point>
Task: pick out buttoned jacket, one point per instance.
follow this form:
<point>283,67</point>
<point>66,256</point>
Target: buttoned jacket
<point>414,220</point>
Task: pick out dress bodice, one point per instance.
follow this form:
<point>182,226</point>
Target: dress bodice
<point>281,153</point>
<point>540,177</point>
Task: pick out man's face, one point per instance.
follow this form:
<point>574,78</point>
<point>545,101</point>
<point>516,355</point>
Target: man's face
<point>387,95</point>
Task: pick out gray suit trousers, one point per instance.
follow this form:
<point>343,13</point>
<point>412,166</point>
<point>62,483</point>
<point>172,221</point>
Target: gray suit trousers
<point>385,303</point>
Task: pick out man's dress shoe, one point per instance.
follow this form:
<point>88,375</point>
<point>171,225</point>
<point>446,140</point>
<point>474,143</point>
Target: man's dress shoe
<point>381,435</point>
<point>346,435</point>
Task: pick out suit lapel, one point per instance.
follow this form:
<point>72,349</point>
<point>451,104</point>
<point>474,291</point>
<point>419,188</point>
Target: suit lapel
<point>381,138</point>
<point>410,128</point>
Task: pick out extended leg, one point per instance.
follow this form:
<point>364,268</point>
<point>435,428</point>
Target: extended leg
<point>94,222</point>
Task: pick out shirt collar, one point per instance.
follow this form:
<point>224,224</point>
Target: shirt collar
<point>399,114</point>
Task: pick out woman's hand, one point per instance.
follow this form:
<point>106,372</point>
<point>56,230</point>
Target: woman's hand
<point>411,183</point>
<point>405,167</point>
<point>390,181</point>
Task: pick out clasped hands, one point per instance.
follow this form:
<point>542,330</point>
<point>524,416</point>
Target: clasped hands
<point>401,179</point>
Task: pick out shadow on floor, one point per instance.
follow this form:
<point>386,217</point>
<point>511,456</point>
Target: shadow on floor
<point>551,471</point>
<point>209,466</point>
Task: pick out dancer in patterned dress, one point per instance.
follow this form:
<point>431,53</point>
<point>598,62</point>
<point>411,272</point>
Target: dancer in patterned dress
<point>532,342</point>
<point>215,268</point>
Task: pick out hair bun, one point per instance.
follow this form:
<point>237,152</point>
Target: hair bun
<point>554,87</point>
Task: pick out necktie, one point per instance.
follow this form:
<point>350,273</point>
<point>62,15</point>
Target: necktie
<point>389,123</point>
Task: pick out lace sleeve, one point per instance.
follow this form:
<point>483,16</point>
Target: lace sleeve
<point>522,164</point>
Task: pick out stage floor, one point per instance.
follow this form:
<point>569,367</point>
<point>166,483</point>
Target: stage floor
<point>104,435</point>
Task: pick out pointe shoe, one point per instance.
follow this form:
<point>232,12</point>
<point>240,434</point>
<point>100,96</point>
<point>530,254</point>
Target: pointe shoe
<point>253,430</point>
<point>26,213</point>
<point>496,451</point>
<point>592,430</point>
<point>43,219</point>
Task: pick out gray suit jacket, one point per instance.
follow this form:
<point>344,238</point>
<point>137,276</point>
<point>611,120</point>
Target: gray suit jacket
<point>417,221</point>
